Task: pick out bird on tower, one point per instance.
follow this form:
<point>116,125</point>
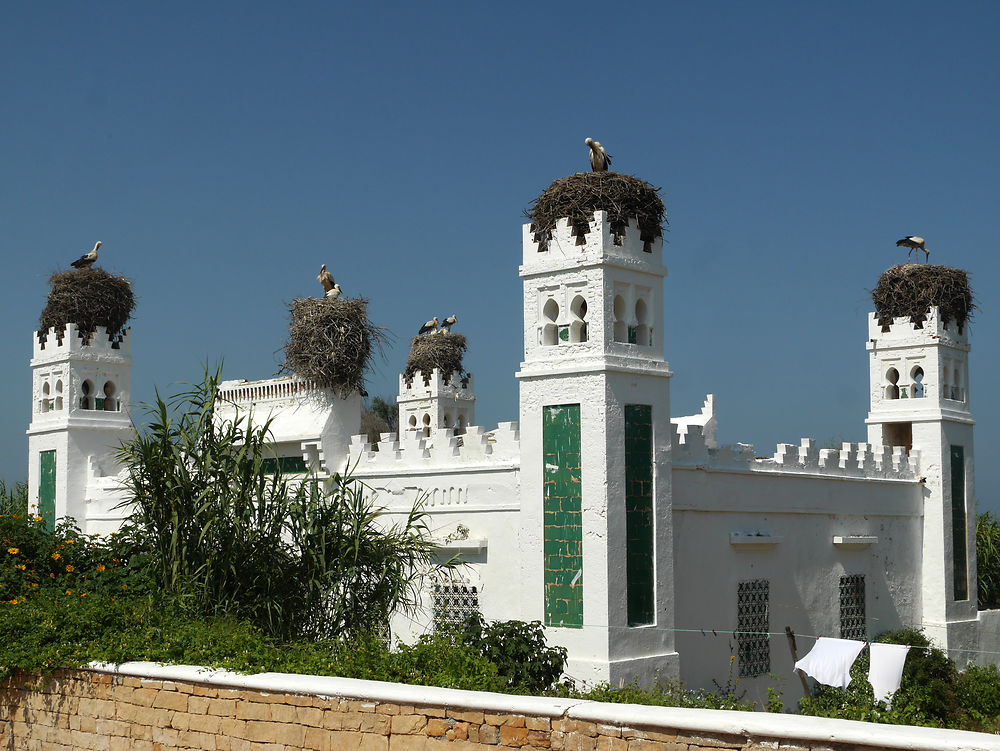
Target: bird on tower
<point>914,243</point>
<point>88,260</point>
<point>600,160</point>
<point>428,327</point>
<point>448,323</point>
<point>334,293</point>
<point>326,279</point>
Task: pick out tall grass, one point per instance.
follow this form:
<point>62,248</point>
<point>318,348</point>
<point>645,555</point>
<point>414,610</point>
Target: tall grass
<point>13,498</point>
<point>228,532</point>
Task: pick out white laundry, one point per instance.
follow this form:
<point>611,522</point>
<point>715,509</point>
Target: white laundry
<point>886,669</point>
<point>830,660</point>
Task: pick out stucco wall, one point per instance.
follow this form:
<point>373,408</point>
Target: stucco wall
<point>147,707</point>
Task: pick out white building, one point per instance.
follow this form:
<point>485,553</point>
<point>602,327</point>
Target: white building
<point>644,547</point>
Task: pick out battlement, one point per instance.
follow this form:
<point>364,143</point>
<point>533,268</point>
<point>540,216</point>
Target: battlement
<point>59,343</point>
<point>600,242</point>
<point>436,384</point>
<point>445,450</point>
<point>269,390</point>
<point>904,332</point>
<point>854,460</point>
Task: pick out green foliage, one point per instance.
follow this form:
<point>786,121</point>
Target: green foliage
<point>978,691</point>
<point>221,527</point>
<point>988,560</point>
<point>517,649</point>
<point>13,498</point>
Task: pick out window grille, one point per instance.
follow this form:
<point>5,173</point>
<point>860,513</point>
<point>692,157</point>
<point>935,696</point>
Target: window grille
<point>752,626</point>
<point>454,602</point>
<point>852,607</point>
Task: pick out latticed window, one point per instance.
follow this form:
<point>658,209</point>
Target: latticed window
<point>852,607</point>
<point>752,626</point>
<point>454,602</point>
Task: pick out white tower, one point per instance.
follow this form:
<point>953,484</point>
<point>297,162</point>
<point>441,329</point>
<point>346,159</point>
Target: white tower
<point>431,401</point>
<point>597,565</point>
<point>79,417</point>
<point>920,400</point>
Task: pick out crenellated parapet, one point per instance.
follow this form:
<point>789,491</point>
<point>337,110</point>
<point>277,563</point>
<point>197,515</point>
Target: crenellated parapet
<point>603,242</point>
<point>904,332</point>
<point>444,451</point>
<point>854,460</point>
<point>62,343</point>
<point>435,384</point>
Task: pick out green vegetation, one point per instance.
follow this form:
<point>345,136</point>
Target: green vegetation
<point>988,560</point>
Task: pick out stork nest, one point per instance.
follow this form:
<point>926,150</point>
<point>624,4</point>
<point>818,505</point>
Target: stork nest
<point>331,342</point>
<point>442,350</point>
<point>578,196</point>
<point>89,298</point>
<point>908,291</point>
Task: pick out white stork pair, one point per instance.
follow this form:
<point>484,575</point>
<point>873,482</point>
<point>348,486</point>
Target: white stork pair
<point>330,288</point>
<point>431,327</point>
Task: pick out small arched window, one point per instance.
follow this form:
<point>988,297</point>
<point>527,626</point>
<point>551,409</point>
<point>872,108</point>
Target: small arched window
<point>427,425</point>
<point>550,330</point>
<point>891,388</point>
<point>45,402</point>
<point>959,394</point>
<point>578,326</point>
<point>447,420</point>
<point>642,323</point>
<point>87,398</point>
<point>621,325</point>
<point>917,376</point>
<point>109,402</point>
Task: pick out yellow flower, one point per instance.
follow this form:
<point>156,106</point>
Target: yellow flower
<point>12,551</point>
<point>38,518</point>
<point>70,542</point>
<point>20,566</point>
<point>56,556</point>
<point>13,602</point>
<point>69,591</point>
<point>84,594</point>
<point>100,567</point>
<point>124,586</point>
<point>70,569</point>
<point>52,576</point>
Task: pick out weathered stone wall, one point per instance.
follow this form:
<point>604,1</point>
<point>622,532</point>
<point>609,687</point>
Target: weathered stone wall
<point>149,707</point>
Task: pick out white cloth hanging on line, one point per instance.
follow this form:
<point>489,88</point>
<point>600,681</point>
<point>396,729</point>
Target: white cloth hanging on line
<point>885,671</point>
<point>830,660</point>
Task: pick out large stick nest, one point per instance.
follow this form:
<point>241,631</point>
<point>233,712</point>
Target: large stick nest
<point>89,298</point>
<point>331,342</point>
<point>442,350</point>
<point>909,290</point>
<point>578,196</point>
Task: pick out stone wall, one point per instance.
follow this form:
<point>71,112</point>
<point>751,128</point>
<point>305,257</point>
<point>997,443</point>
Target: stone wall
<point>149,707</point>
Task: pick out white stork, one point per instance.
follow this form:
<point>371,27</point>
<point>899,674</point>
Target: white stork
<point>88,260</point>
<point>326,279</point>
<point>334,293</point>
<point>600,161</point>
<point>428,327</point>
<point>914,243</point>
<point>448,323</point>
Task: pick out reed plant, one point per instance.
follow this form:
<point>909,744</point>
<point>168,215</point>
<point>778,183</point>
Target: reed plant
<point>220,526</point>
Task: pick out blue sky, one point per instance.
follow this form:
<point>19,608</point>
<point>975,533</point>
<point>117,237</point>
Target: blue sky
<point>223,151</point>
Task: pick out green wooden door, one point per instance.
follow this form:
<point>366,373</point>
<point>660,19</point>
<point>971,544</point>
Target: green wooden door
<point>47,488</point>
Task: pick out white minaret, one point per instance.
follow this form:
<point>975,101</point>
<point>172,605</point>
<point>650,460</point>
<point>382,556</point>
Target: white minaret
<point>920,400</point>
<point>597,561</point>
<point>430,402</point>
<point>80,399</point>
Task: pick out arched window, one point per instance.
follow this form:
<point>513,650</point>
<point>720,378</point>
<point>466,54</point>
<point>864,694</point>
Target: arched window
<point>447,420</point>
<point>578,326</point>
<point>45,402</point>
<point>460,425</point>
<point>891,389</point>
<point>550,330</point>
<point>917,377</point>
<point>87,400</point>
<point>621,325</point>
<point>59,394</point>
<point>109,402</point>
<point>642,323</point>
<point>959,392</point>
<point>427,425</point>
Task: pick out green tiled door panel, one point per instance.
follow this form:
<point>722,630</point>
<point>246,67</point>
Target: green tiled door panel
<point>563,518</point>
<point>47,488</point>
<point>958,522</point>
<point>639,513</point>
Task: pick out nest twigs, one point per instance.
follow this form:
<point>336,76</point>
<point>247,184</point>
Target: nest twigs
<point>442,350</point>
<point>909,290</point>
<point>331,342</point>
<point>89,298</point>
<point>578,196</point>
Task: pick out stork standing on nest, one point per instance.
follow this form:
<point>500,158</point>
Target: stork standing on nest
<point>88,260</point>
<point>326,279</point>
<point>600,161</point>
<point>914,243</point>
<point>428,327</point>
<point>448,323</point>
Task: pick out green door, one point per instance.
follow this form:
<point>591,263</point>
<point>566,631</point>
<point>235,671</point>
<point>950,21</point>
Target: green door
<point>47,488</point>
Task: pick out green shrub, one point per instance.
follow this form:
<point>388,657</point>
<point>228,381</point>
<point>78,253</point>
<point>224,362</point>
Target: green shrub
<point>519,651</point>
<point>978,691</point>
<point>217,523</point>
<point>988,560</point>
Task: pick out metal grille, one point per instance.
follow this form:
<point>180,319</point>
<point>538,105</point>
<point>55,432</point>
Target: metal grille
<point>752,626</point>
<point>454,602</point>
<point>852,607</point>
